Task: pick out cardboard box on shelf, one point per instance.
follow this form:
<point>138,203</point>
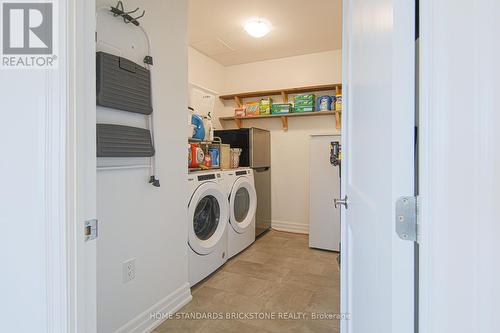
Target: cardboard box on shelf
<point>281,108</point>
<point>265,105</point>
<point>303,109</point>
<point>253,109</point>
<point>240,112</point>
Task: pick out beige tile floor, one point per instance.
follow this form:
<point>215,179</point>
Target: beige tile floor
<point>278,274</point>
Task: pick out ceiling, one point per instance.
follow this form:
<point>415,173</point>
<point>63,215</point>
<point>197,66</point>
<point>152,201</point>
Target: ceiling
<point>299,27</point>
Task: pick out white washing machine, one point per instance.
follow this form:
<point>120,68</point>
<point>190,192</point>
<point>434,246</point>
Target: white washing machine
<point>242,198</point>
<point>207,224</point>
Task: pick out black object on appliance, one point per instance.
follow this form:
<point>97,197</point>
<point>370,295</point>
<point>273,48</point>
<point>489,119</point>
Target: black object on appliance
<point>206,177</point>
<point>237,138</point>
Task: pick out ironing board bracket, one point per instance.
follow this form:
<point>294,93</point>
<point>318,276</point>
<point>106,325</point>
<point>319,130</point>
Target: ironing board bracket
<point>148,60</point>
<point>118,10</point>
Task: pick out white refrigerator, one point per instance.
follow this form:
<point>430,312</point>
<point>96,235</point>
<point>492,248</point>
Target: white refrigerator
<point>324,187</point>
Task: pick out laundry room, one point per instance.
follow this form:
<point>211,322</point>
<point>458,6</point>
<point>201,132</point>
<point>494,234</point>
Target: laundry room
<point>265,86</point>
<point>257,165</point>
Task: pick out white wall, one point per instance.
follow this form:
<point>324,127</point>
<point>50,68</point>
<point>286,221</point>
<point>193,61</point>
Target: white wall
<point>304,70</point>
<point>23,283</point>
<point>290,150</point>
<point>32,196</point>
<point>138,220</point>
<point>208,74</point>
<point>204,71</point>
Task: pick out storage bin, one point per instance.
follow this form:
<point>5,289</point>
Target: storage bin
<point>225,156</point>
<point>235,157</point>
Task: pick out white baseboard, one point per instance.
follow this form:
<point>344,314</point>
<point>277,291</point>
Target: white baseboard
<point>145,322</point>
<point>300,228</point>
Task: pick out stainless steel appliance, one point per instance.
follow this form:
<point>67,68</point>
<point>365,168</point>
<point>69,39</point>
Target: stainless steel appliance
<point>256,154</point>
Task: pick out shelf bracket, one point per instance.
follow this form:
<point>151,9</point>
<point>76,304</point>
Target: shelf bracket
<point>284,120</point>
<point>337,120</point>
<point>284,96</point>
<point>238,101</point>
<point>238,122</point>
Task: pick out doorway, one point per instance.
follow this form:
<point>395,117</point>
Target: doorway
<point>286,277</point>
<point>283,126</point>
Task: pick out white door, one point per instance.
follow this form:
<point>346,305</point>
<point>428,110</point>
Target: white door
<point>324,184</point>
<point>460,198</point>
<point>378,150</point>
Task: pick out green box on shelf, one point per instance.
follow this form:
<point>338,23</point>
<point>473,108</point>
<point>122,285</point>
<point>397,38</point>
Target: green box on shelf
<point>304,102</point>
<point>280,111</point>
<point>265,105</point>
<point>300,109</point>
<point>304,97</point>
<point>281,108</point>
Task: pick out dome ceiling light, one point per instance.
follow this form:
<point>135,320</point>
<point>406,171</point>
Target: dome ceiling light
<point>258,27</point>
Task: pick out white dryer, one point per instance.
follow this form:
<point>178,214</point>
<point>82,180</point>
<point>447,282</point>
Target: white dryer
<point>207,224</point>
<point>242,198</point>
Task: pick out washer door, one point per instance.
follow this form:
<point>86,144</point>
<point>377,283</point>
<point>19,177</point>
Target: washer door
<point>207,218</point>
<point>242,204</point>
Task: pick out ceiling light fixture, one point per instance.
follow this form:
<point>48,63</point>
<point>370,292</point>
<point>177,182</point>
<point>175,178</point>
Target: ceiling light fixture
<point>258,27</point>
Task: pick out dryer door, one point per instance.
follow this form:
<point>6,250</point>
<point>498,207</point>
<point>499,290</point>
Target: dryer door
<point>207,218</point>
<point>242,204</point>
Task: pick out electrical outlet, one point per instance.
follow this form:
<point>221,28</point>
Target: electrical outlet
<point>128,270</point>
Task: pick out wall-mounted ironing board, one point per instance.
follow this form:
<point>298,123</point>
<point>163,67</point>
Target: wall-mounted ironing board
<point>123,46</point>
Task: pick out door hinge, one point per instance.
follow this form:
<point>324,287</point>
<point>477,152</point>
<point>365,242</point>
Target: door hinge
<point>90,230</point>
<point>338,202</point>
<point>407,218</point>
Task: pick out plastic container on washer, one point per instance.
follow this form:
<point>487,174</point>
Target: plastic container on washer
<point>214,154</point>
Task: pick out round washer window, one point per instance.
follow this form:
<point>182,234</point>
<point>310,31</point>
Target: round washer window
<point>241,204</point>
<point>206,217</point>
